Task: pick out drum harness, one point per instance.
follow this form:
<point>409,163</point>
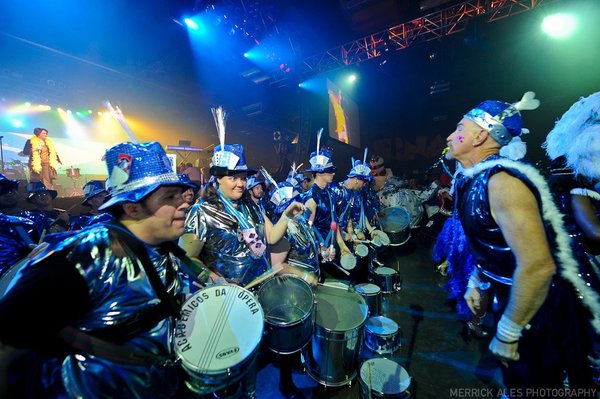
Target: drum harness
<point>96,343</point>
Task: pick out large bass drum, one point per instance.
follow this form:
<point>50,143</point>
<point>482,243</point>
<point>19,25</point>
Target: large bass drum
<point>331,357</point>
<point>217,336</point>
<point>395,222</point>
<point>288,304</point>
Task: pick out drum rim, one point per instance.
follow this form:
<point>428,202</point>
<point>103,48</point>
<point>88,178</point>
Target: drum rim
<point>190,366</point>
<point>386,318</point>
<point>306,315</point>
<point>395,272</point>
<point>368,293</point>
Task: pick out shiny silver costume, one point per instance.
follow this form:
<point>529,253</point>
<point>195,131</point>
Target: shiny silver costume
<point>224,250</point>
<point>117,287</point>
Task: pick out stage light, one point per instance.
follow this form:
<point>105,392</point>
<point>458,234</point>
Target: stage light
<point>352,78</point>
<point>559,26</point>
<point>246,55</point>
<point>190,23</point>
<point>16,123</point>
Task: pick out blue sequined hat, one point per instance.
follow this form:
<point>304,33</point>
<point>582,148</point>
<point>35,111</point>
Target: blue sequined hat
<point>295,176</point>
<point>283,194</point>
<point>229,161</point>
<point>503,120</point>
<point>137,170</point>
<point>321,162</point>
<point>361,170</point>
<point>37,187</point>
<point>7,185</point>
<point>253,182</point>
<point>91,189</point>
<point>186,179</point>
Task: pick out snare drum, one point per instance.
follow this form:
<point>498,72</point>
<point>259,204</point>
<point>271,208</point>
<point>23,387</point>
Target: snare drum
<point>387,279</point>
<point>331,357</point>
<point>383,379</point>
<point>372,295</point>
<point>217,336</point>
<point>395,222</point>
<point>381,335</point>
<point>288,304</point>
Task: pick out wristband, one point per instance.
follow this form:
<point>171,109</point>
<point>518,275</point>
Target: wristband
<point>508,330</point>
<point>505,342</point>
<point>474,282</point>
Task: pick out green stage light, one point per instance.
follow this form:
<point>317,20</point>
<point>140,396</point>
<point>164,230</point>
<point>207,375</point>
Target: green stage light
<point>559,26</point>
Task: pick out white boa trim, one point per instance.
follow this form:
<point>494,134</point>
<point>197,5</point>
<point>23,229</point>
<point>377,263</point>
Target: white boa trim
<point>568,265</point>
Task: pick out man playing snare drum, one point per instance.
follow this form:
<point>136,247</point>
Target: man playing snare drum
<point>101,304</point>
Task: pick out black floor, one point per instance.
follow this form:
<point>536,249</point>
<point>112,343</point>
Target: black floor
<point>441,359</point>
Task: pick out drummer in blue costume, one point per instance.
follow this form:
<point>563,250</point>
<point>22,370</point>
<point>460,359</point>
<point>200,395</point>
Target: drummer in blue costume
<point>298,178</point>
<point>322,202</point>
<point>108,295</point>
<point>228,233</point>
<point>226,230</point>
<point>95,194</point>
<point>17,234</point>
<point>304,245</point>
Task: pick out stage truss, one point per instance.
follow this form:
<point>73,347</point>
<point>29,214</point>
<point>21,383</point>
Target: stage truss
<point>423,29</point>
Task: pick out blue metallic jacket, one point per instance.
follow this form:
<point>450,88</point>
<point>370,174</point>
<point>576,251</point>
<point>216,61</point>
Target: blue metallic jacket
<point>224,250</point>
<point>117,288</point>
<point>326,207</point>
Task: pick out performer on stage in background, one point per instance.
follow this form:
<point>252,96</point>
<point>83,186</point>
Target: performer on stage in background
<point>516,235</point>
<point>108,296</point>
<point>43,158</point>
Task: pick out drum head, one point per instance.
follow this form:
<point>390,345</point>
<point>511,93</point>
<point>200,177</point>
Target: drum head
<point>219,327</point>
<point>361,250</point>
<point>348,261</point>
<point>384,376</point>
<point>394,219</point>
<point>285,299</point>
<point>367,289</point>
<point>385,271</point>
<point>381,325</point>
<point>339,309</point>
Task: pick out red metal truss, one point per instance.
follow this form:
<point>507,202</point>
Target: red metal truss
<point>429,27</point>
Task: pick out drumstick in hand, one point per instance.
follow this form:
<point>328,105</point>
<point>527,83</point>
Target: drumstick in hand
<point>276,269</point>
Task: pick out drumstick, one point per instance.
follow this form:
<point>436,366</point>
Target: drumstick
<point>334,286</point>
<point>369,377</point>
<point>263,277</point>
<point>341,268</point>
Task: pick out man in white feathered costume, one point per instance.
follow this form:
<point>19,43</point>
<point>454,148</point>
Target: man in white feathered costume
<point>523,257</point>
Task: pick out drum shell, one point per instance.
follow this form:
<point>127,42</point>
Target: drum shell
<point>387,279</point>
<point>287,337</point>
<point>374,300</point>
<point>332,355</point>
<point>395,222</point>
<point>382,335</point>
